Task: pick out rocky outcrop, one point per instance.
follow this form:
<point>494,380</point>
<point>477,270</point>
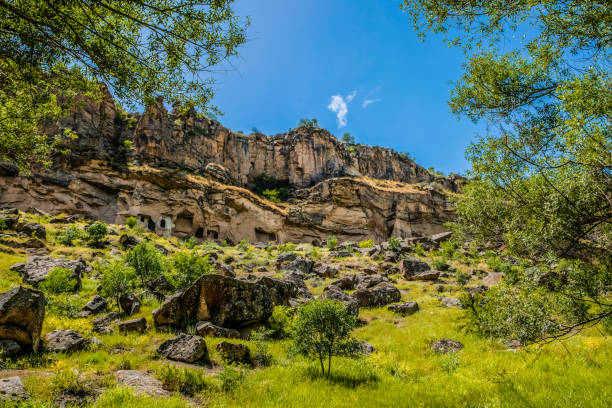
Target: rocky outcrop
<point>65,341</point>
<point>207,329</point>
<point>22,312</point>
<point>223,301</point>
<point>129,303</point>
<point>405,309</point>
<point>235,353</point>
<point>37,268</point>
<point>12,389</point>
<point>185,348</point>
<point>378,295</point>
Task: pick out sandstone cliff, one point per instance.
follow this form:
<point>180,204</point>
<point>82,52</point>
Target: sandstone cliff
<point>184,174</point>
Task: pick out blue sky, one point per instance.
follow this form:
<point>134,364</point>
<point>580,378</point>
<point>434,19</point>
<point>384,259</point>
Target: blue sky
<point>303,54</point>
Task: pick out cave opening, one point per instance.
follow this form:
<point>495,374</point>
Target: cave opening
<point>199,233</point>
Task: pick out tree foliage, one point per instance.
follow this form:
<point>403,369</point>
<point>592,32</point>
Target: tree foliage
<point>187,267</point>
<point>59,281</point>
<point>322,330</point>
<point>117,278</point>
<point>543,171</point>
<point>147,261</point>
<point>54,52</point>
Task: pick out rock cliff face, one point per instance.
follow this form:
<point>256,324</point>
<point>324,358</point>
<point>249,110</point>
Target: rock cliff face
<point>187,175</point>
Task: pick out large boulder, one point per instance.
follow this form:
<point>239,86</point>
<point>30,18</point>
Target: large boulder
<point>96,305</point>
<point>425,276</point>
<point>9,348</point>
<point>297,278</point>
<point>129,241</point>
<point>133,325</point>
<point>37,268</point>
<point>405,309</point>
<point>300,264</point>
<point>207,329</point>
<point>221,300</point>
<point>10,220</point>
<point>324,270</point>
<point>142,383</point>
<point>65,341</point>
<point>22,311</point>
<point>281,291</point>
<point>12,389</point>
<point>382,294</point>
<point>411,266</point>
<point>285,258</point>
<point>129,303</point>
<point>335,293</point>
<point>235,353</point>
<point>451,302</point>
<point>102,324</point>
<point>32,229</point>
<point>186,348</point>
<point>364,281</point>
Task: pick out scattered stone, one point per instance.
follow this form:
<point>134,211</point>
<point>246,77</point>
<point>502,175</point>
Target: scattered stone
<point>142,383</point>
<point>443,236</point>
<point>12,389</point>
<point>65,341</point>
<point>405,309</point>
<point>22,311</point>
<point>134,325</point>
<point>297,279</point>
<point>186,348</point>
<point>226,270</point>
<point>492,278</point>
<point>281,291</point>
<point>129,241</point>
<point>391,256</point>
<point>284,258</point>
<point>364,348</point>
<point>207,329</point>
<point>364,281</point>
<point>101,324</point>
<point>300,264</point>
<point>334,292</point>
<point>411,266</point>
<point>324,270</point>
<point>32,229</point>
<point>446,346</point>
<point>451,302</point>
<point>379,295</point>
<point>160,287</point>
<point>476,290</point>
<point>10,220</point>
<point>95,342</point>
<point>339,254</point>
<point>345,282</point>
<point>37,268</point>
<point>425,276</point>
<point>129,303</point>
<point>235,353</point>
<point>9,348</point>
<point>96,305</point>
<point>18,267</point>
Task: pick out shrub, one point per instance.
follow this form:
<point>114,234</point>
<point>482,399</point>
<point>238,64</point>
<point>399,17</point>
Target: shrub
<point>117,279</point>
<point>58,281</point>
<point>231,378</point>
<point>322,330</point>
<point>69,235</point>
<point>97,232</point>
<point>418,249</point>
<point>64,305</point>
<point>394,244</point>
<point>131,222</point>
<point>147,261</point>
<point>272,195</point>
<point>315,254</point>
<point>347,138</point>
<point>191,242</point>
<point>261,355</point>
<point>274,187</point>
<point>461,277</point>
<point>244,244</point>
<point>187,267</point>
<point>440,264</point>
<point>287,247</point>
<point>309,123</point>
<point>67,382</point>
<point>368,243</point>
<point>186,381</point>
<point>332,242</point>
<point>3,225</point>
<point>279,324</point>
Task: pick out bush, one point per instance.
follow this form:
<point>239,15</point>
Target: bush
<point>332,242</point>
<point>187,267</point>
<point>131,222</point>
<point>261,355</point>
<point>117,278</point>
<point>347,138</point>
<point>315,254</point>
<point>368,243</point>
<point>309,123</point>
<point>231,378</point>
<point>279,324</point>
<point>244,244</point>
<point>147,261</point>
<point>394,244</point>
<point>461,277</point>
<point>69,235</point>
<point>186,381</point>
<point>322,330</point>
<point>287,247</point>
<point>67,382</point>
<point>272,195</point>
<point>418,249</point>
<point>191,242</point>
<point>58,281</point>
<point>440,264</point>
<point>97,232</point>
<point>448,248</point>
<point>64,305</point>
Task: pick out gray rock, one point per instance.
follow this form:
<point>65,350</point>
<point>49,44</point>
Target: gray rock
<point>297,278</point>
<point>345,282</point>
<point>101,324</point>
<point>363,347</point>
<point>334,292</point>
<point>142,383</point>
<point>300,264</point>
<point>133,325</point>
<point>12,389</point>
<point>425,276</point>
<point>364,281</point>
<point>9,348</point>
<point>22,311</point>
<point>281,291</point>
<point>129,241</point>
<point>96,305</point>
<point>382,294</point>
<point>451,302</point>
<point>207,329</point>
<point>37,268</point>
<point>65,341</point>
<point>129,303</point>
<point>405,309</point>
<point>443,236</point>
<point>446,346</point>
<point>285,258</point>
<point>32,229</point>
<point>186,348</point>
<point>411,266</point>
<point>235,353</point>
<point>324,270</point>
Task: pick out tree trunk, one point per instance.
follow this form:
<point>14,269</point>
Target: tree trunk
<point>322,366</point>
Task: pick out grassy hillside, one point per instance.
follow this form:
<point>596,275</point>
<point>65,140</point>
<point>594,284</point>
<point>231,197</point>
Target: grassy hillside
<point>402,372</point>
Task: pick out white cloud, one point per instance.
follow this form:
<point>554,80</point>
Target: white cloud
<point>350,97</point>
<point>369,102</point>
<point>338,105</point>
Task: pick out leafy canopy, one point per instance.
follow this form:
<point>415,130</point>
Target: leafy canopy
<point>117,278</point>
<point>147,261</point>
<point>54,52</point>
<point>543,171</point>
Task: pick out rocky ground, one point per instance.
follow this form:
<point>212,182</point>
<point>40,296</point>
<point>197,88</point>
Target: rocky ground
<point>160,347</point>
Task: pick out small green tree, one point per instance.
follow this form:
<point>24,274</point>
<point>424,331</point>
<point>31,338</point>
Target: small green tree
<point>348,138</point>
<point>394,244</point>
<point>272,195</point>
<point>332,242</point>
<point>187,267</point>
<point>131,222</point>
<point>309,123</point>
<point>147,261</point>
<point>117,279</point>
<point>58,281</point>
<point>322,330</point>
<point>97,232</point>
<point>69,235</point>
